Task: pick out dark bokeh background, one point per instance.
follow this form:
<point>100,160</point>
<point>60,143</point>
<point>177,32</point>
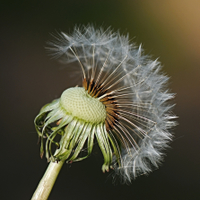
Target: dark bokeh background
<point>168,29</point>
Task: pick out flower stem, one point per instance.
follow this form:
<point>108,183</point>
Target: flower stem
<point>46,184</point>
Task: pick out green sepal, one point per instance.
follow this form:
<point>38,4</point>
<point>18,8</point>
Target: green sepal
<point>104,146</point>
<point>85,133</point>
<point>50,106</point>
<point>77,132</point>
<point>41,118</point>
<point>90,144</point>
<point>91,140</point>
<point>64,152</point>
<point>116,148</point>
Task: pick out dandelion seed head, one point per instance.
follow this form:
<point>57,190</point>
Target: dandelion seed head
<point>123,103</point>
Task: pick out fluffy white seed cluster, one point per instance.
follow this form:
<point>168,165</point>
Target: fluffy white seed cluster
<point>146,96</point>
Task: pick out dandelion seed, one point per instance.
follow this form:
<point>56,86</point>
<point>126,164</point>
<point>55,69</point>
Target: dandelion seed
<point>122,103</point>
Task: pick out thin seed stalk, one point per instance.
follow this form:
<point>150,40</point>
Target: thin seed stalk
<point>47,182</point>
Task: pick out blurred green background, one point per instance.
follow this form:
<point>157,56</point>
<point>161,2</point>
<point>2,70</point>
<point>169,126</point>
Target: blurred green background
<point>168,29</point>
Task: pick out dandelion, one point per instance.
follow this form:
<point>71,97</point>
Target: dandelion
<point>122,105</point>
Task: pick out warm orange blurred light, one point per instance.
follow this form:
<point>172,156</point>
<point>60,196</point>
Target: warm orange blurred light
<point>180,19</point>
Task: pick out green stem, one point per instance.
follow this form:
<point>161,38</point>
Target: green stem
<point>46,184</point>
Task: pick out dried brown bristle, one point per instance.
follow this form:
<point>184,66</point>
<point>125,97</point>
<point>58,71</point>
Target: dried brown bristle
<point>96,90</point>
